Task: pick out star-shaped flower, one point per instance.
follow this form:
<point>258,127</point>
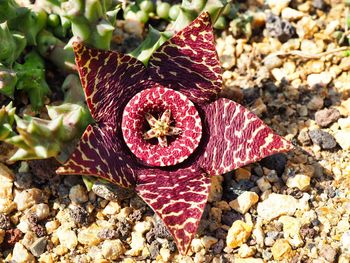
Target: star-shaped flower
<point>161,128</point>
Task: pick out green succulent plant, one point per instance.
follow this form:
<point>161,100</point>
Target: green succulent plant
<point>12,44</point>
<point>30,22</point>
<point>8,81</point>
<point>7,117</point>
<point>31,79</point>
<point>38,138</point>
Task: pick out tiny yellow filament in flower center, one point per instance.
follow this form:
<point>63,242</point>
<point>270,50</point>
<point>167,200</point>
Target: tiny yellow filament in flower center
<point>160,128</point>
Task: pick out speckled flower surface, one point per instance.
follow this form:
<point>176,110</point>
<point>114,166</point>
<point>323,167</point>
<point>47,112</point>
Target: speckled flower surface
<point>162,129</point>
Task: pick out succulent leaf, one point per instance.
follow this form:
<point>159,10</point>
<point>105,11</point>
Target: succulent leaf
<point>108,89</point>
<point>238,138</point>
<point>7,115</point>
<point>74,119</point>
<point>73,91</point>
<point>8,81</point>
<point>30,23</point>
<point>31,79</point>
<point>53,49</point>
<point>7,10</point>
<point>188,62</point>
<point>151,43</point>
<point>12,44</point>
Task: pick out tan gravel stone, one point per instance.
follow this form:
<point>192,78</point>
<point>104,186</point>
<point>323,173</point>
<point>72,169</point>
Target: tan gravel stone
<point>291,230</point>
<point>67,238</point>
<point>343,138</point>
<point>276,205</point>
<point>238,234</point>
<point>112,208</point>
<point>28,198</point>
<point>281,250</point>
<point>78,194</point>
<point>112,249</point>
<point>21,255</point>
<point>6,182</point>
<point>89,236</point>
<point>244,202</point>
<point>300,181</point>
<point>7,206</point>
<point>242,174</point>
<point>291,14</point>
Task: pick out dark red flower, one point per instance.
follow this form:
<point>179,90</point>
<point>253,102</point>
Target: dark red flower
<point>161,128</point>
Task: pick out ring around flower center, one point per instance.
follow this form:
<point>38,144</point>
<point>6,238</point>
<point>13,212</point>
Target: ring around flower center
<point>161,126</point>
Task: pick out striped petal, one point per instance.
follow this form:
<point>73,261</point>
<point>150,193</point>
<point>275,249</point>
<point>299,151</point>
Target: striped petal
<point>188,62</point>
<point>109,79</point>
<point>178,197</point>
<point>101,153</point>
<point>236,137</point>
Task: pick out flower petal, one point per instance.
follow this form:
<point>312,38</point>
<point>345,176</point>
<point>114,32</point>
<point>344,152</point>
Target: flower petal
<point>236,137</point>
<point>178,197</point>
<point>188,62</point>
<point>101,153</point>
<point>109,79</point>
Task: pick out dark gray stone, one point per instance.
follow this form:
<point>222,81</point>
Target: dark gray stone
<point>38,247</point>
<point>279,28</point>
<point>23,180</point>
<point>325,140</point>
<point>111,192</point>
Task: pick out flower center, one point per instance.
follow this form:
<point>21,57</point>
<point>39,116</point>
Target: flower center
<point>161,126</point>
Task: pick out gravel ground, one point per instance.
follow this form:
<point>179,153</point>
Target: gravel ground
<point>288,68</point>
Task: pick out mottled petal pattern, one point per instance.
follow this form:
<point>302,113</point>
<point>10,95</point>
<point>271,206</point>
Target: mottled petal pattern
<point>109,79</point>
<point>178,197</point>
<point>188,62</point>
<point>236,137</point>
<point>101,153</point>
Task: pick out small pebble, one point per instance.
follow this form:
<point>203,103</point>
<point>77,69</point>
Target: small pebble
<point>216,190</point>
<point>263,184</point>
<point>276,205</point>
<point>67,238</point>
<point>343,139</point>
<point>112,249</point>
<point>326,117</point>
<point>21,254</point>
<point>300,181</point>
<point>38,247</point>
<point>328,253</point>
<point>325,140</point>
<point>244,202</point>
<point>238,234</point>
<point>281,250</point>
<point>111,192</point>
<point>315,103</point>
<point>28,198</point>
<point>78,194</point>
<point>321,79</point>
<point>291,14</point>
<point>89,236</point>
<point>279,28</point>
